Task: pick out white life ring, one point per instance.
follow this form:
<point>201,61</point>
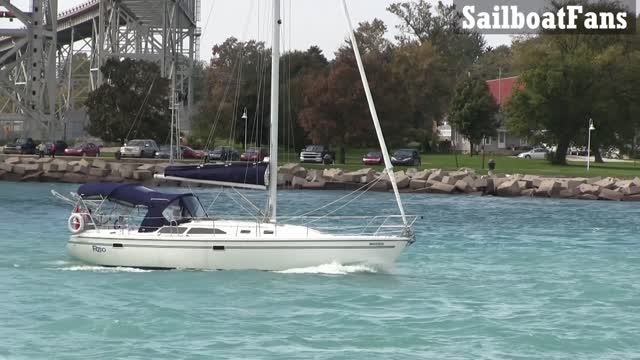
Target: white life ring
<point>76,223</point>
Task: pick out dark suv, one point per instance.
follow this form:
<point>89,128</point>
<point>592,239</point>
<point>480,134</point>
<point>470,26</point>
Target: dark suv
<point>21,146</point>
<point>406,157</point>
<point>317,154</point>
<point>223,153</point>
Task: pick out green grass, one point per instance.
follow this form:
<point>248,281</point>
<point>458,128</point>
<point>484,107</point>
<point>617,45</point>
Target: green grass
<point>504,165</point>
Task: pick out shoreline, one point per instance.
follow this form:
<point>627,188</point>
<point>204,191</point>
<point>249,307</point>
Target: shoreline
<point>295,176</point>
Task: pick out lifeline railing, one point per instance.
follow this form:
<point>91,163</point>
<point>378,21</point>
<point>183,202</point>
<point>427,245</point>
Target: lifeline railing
<point>389,225</point>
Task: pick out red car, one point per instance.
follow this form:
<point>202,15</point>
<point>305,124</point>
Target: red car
<point>254,155</point>
<point>87,149</point>
<point>373,158</point>
<point>189,153</point>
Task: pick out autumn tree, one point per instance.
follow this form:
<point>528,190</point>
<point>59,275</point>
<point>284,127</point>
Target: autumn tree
<point>132,102</point>
<point>299,69</point>
<point>335,108</point>
<point>236,78</point>
<point>473,111</point>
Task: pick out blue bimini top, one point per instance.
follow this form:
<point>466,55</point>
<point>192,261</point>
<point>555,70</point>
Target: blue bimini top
<point>135,195</point>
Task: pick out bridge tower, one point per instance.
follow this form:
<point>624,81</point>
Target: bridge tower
<point>27,68</point>
<point>55,60</point>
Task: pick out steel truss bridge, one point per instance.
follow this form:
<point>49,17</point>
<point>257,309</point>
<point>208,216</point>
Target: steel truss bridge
<point>40,60</point>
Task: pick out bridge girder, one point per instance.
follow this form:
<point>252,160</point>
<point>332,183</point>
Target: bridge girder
<point>27,75</point>
<point>164,31</point>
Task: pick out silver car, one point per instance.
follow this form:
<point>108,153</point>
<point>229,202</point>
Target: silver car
<point>535,154</point>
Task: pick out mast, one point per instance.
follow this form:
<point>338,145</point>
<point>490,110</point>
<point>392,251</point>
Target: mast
<point>374,113</point>
<point>275,99</point>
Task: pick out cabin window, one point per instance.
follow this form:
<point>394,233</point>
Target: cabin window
<point>193,207</point>
<point>183,209</point>
<point>245,231</point>
<point>205,231</point>
<point>172,230</point>
<point>268,232</point>
<point>173,212</point>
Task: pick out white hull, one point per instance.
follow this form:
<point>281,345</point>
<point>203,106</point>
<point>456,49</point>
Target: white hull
<point>236,255</point>
<point>217,252</point>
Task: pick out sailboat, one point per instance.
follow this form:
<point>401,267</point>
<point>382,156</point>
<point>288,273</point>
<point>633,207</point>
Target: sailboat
<point>129,225</point>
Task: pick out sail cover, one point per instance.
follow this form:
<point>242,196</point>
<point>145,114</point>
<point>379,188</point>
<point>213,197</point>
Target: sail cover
<point>239,174</point>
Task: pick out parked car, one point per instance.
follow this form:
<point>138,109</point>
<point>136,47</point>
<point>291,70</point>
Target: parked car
<point>164,152</point>
<point>189,153</point>
<point>406,157</point>
<point>536,154</point>
<point>373,158</point>
<point>21,146</point>
<point>317,154</point>
<point>85,149</point>
<point>575,151</point>
<point>61,146</point>
<point>612,153</point>
<point>254,155</point>
<point>138,149</point>
<point>223,153</point>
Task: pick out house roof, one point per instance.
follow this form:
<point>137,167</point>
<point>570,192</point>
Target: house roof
<point>501,89</point>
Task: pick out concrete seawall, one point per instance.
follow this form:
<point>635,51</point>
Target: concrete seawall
<point>295,176</point>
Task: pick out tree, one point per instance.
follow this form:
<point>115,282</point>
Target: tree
<point>495,62</point>
<point>473,111</point>
<point>441,27</point>
<point>568,79</point>
<point>335,108</point>
<point>553,103</point>
<point>132,102</point>
<point>420,78</point>
<point>436,32</point>
<point>236,78</point>
<point>298,68</point>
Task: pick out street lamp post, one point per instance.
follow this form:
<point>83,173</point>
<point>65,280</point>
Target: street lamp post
<point>591,128</point>
<point>245,117</point>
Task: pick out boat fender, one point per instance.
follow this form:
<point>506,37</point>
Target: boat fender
<point>76,223</point>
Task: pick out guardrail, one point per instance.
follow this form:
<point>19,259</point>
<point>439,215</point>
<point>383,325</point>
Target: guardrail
<point>391,225</point>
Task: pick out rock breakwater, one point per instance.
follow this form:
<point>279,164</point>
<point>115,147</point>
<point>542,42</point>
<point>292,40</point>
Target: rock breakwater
<point>295,176</point>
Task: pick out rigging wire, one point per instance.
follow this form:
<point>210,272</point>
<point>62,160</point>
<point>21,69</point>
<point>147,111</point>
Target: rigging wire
<point>290,142</point>
<point>144,102</point>
<point>364,189</point>
<point>227,88</point>
<point>206,25</point>
<point>373,183</point>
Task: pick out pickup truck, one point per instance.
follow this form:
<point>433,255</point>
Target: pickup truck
<point>317,154</point>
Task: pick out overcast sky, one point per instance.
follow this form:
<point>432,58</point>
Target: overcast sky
<point>314,22</point>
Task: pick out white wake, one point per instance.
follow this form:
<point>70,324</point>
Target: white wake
<point>103,269</point>
<point>331,269</point>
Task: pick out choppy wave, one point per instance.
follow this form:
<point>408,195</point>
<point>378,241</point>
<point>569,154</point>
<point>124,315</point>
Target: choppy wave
<point>90,268</point>
<point>331,269</point>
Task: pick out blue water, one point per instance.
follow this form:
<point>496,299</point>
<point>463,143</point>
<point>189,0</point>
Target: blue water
<point>489,278</point>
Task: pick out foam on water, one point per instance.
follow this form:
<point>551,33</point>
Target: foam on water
<point>103,269</point>
<point>331,269</point>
